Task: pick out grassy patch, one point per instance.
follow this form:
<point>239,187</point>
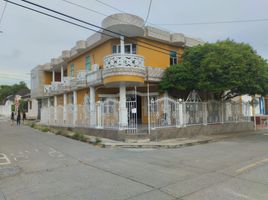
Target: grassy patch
<point>79,136</point>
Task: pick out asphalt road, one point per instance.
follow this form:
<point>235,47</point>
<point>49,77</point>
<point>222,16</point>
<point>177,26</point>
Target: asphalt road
<point>39,166</point>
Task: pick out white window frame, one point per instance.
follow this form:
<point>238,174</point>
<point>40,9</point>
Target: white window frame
<point>129,44</point>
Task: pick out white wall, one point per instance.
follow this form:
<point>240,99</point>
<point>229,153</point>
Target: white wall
<point>6,109</point>
<point>32,112</point>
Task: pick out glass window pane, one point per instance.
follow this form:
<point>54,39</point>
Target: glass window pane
<point>127,48</point>
<point>114,49</point>
<point>134,46</point>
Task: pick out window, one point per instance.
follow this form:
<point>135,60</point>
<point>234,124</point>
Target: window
<point>129,48</point>
<point>173,58</point>
<point>88,66</point>
<point>72,70</point>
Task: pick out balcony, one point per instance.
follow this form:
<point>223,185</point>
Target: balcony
<point>127,68</point>
<point>81,78</point>
<point>94,78</point>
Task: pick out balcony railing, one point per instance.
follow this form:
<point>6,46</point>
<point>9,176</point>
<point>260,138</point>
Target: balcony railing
<point>123,64</point>
<point>67,81</point>
<point>81,75</point>
<point>123,60</point>
<point>94,77</point>
<point>47,89</point>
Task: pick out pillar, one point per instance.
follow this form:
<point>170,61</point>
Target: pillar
<point>123,118</point>
<point>92,107</point>
<point>55,108</point>
<point>48,105</point>
<point>122,45</point>
<point>64,107</point>
<point>53,76</point>
<point>61,74</point>
<point>75,107</point>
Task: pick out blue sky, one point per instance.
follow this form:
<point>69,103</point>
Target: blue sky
<point>29,39</point>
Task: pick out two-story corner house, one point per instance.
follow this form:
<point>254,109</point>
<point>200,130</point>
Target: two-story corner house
<point>108,80</point>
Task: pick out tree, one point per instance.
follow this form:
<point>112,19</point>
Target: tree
<point>225,68</point>
<point>6,90</point>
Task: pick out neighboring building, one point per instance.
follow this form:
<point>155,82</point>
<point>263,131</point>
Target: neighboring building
<point>108,82</point>
<point>5,109</point>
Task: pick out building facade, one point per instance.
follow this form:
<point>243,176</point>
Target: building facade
<point>111,79</point>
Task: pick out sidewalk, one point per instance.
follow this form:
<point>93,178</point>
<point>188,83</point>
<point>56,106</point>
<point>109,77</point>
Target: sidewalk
<point>176,143</point>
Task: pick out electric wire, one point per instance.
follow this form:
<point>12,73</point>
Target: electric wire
<point>122,11</point>
<point>148,13</point>
<point>3,12</point>
<point>82,21</point>
<point>111,16</point>
<point>217,22</point>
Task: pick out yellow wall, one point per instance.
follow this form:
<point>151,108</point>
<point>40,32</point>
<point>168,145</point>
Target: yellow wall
<point>47,77</point>
<point>80,96</point>
<point>154,56</point>
<point>96,57</point>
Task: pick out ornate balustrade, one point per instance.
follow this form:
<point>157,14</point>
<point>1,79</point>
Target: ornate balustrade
<point>130,67</point>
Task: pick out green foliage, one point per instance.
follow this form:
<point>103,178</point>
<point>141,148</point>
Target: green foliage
<point>23,106</point>
<point>97,140</point>
<point>225,68</point>
<point>6,90</point>
<point>79,136</point>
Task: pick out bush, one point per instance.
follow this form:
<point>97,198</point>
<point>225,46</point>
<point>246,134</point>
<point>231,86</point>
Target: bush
<point>79,136</point>
<point>97,140</point>
<point>44,129</point>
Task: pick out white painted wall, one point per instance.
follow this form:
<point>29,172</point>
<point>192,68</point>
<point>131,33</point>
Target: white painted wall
<point>33,112</point>
<point>6,109</point>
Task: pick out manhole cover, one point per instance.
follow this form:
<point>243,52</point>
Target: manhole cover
<point>9,171</point>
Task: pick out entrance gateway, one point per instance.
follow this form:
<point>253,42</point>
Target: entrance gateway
<point>133,105</point>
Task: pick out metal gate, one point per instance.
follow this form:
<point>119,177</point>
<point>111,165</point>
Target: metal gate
<point>132,116</point>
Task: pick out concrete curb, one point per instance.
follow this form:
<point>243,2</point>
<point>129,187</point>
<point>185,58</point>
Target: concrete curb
<point>171,145</point>
<point>155,145</point>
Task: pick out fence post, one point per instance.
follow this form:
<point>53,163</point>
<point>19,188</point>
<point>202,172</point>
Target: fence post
<point>222,112</point>
<point>180,113</point>
<point>184,123</point>
<point>205,117</point>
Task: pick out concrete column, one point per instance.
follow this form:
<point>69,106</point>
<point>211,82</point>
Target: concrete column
<point>64,107</point>
<point>55,108</point>
<point>75,107</point>
<point>61,74</point>
<point>53,76</point>
<point>48,105</point>
<point>123,118</point>
<point>122,44</point>
<point>92,107</point>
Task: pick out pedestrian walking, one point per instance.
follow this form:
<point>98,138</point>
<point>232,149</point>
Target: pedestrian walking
<point>12,118</point>
<point>18,118</point>
<point>23,117</point>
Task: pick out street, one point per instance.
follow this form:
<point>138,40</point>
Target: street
<point>42,166</point>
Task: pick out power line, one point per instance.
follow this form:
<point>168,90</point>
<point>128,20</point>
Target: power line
<point>217,22</point>
<point>82,21</point>
<point>111,16</point>
<point>2,15</point>
<point>108,5</point>
<point>61,19</point>
<point>84,7</point>
<point>58,18</point>
<point>122,11</point>
<point>148,12</point>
